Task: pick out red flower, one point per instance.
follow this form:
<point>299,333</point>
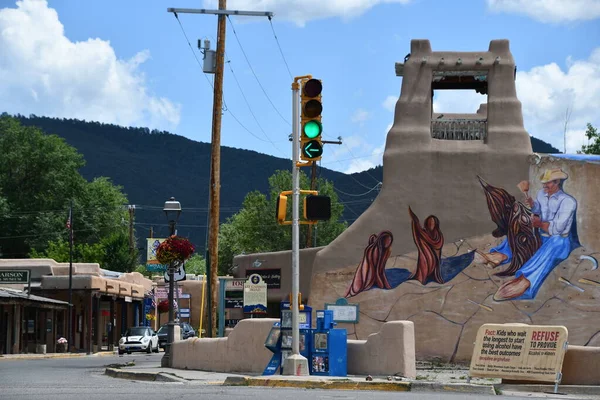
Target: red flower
<point>163,306</point>
<point>175,249</point>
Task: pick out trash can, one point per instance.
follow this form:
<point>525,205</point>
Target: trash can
<point>40,349</point>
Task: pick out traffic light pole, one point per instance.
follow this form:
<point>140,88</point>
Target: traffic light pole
<point>295,364</point>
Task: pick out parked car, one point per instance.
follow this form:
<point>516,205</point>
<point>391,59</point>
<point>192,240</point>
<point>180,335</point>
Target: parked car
<point>186,332</point>
<point>139,338</point>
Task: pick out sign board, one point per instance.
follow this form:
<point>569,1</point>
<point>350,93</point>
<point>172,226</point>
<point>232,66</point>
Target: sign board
<point>255,295</point>
<point>234,293</point>
<point>234,303</point>
<point>235,285</point>
<point>15,276</point>
<point>163,292</point>
<point>519,351</point>
<point>271,276</point>
<point>156,267</point>
<point>342,311</point>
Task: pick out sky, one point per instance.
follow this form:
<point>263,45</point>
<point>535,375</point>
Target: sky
<point>129,63</point>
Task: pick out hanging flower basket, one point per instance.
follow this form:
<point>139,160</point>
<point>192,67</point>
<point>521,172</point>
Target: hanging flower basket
<point>174,250</point>
<point>163,306</point>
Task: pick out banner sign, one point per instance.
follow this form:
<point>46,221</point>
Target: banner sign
<point>519,351</point>
<point>15,276</point>
<point>272,276</point>
<point>255,295</point>
<point>152,264</point>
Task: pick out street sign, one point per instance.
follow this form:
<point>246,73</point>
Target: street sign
<point>178,275</point>
<point>156,267</point>
<point>255,295</point>
<point>312,149</point>
<point>15,276</point>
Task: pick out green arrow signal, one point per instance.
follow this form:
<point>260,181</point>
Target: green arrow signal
<point>312,149</point>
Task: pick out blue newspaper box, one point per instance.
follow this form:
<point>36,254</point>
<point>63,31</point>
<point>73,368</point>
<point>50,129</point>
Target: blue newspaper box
<point>279,340</point>
<point>329,347</point>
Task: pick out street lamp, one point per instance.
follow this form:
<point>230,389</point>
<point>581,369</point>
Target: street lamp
<point>172,210</point>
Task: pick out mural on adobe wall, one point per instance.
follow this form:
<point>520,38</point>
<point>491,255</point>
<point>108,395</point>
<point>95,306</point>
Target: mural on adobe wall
<point>532,268</point>
<point>538,235</point>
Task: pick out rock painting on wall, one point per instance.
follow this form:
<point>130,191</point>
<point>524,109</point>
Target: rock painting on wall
<point>539,233</point>
<point>431,266</point>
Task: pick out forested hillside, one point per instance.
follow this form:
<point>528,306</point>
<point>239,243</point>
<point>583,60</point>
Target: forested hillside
<point>152,166</point>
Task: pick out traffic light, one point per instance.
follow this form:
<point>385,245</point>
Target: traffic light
<point>311,146</point>
<point>281,208</point>
<point>317,208</point>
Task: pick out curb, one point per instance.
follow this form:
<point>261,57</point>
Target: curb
<point>337,384</point>
<point>540,388</point>
<point>142,376</point>
<point>452,388</point>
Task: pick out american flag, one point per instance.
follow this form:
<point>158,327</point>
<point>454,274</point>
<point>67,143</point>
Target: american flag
<point>69,220</point>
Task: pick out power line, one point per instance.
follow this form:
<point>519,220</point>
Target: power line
<point>280,51</point>
<point>378,186</point>
<point>252,112</point>
<point>254,73</point>
<point>225,107</point>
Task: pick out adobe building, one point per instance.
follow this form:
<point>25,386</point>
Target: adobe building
<point>105,304</point>
<point>451,242</point>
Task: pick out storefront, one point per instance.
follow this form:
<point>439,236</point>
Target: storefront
<point>30,323</point>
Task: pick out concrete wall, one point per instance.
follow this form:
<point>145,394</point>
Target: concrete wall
<point>242,351</point>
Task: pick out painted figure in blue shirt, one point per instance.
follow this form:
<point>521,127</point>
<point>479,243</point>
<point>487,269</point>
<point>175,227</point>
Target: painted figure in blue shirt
<point>554,214</point>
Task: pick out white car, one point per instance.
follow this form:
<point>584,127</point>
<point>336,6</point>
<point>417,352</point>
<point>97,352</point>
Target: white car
<point>139,338</point>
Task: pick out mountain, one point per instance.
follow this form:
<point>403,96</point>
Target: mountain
<point>152,166</point>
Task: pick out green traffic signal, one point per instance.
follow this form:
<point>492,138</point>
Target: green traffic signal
<point>312,149</point>
<point>312,129</point>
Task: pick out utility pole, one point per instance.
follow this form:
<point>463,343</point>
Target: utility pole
<point>70,323</point>
<point>131,209</point>
<point>215,162</point>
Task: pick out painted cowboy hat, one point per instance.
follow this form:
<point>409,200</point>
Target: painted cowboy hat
<point>552,175</point>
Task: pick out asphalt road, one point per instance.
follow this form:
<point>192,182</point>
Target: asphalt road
<point>83,378</point>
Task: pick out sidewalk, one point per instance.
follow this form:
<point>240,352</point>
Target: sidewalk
<point>434,379</point>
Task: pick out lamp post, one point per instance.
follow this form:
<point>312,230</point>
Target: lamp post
<point>172,210</point>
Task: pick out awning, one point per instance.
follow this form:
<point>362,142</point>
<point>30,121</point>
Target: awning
<point>12,296</point>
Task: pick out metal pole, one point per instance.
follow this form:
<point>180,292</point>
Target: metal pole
<point>166,361</point>
<point>295,223</point>
<point>70,323</point>
<point>296,364</point>
<point>215,168</point>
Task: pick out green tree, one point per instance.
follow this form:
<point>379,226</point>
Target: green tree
<point>39,177</point>
<point>196,264</point>
<point>254,228</point>
<point>592,134</point>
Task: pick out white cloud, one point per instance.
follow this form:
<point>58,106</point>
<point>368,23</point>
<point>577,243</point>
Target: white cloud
<point>390,103</point>
<point>302,11</point>
<point>457,101</point>
<point>360,116</point>
<point>549,10</point>
<point>43,72</point>
<point>545,93</point>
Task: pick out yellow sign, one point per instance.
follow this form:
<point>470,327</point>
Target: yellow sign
<point>519,351</point>
<point>153,244</point>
